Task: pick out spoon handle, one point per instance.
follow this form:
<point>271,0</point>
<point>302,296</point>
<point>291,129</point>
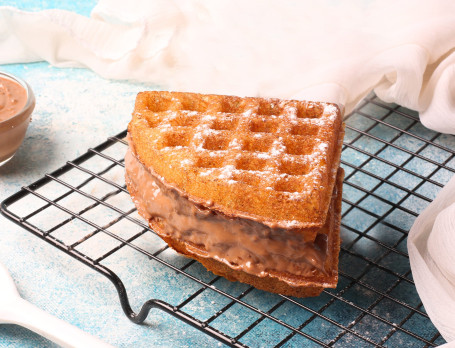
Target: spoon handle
<point>56,330</point>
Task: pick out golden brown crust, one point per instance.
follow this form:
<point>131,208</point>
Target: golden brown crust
<point>266,158</point>
<point>275,282</point>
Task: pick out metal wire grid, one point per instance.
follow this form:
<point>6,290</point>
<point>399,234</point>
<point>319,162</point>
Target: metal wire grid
<point>394,167</point>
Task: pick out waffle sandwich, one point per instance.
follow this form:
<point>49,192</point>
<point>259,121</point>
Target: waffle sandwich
<point>250,187</point>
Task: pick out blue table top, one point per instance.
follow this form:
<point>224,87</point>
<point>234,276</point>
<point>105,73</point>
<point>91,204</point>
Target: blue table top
<point>75,110</point>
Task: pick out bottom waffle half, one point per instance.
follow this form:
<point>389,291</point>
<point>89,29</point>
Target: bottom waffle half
<point>276,282</point>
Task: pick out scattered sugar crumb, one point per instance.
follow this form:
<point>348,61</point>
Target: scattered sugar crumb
<point>206,172</point>
<point>226,172</point>
<point>263,155</point>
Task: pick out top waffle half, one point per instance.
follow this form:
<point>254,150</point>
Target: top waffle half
<point>268,159</point>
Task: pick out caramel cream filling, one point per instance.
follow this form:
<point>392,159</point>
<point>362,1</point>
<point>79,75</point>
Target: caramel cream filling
<point>241,243</point>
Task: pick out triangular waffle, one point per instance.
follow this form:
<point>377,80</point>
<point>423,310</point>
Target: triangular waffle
<point>249,187</point>
<point>270,159</point>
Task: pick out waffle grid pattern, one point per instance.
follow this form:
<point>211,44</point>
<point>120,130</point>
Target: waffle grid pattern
<point>394,168</point>
<point>265,143</point>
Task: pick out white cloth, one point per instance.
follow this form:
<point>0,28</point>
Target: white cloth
<point>295,49</point>
<point>327,50</point>
<point>431,247</point>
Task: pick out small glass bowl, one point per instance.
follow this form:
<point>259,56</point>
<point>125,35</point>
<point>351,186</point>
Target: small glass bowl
<point>12,130</point>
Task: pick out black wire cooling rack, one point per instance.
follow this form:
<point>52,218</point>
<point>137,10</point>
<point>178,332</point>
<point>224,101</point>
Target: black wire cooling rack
<point>394,168</point>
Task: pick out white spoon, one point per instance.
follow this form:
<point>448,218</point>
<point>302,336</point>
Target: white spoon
<point>16,310</point>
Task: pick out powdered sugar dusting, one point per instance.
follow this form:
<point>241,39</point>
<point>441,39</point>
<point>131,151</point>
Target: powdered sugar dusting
<point>277,147</point>
<point>322,147</point>
<point>226,172</point>
<point>235,144</point>
<point>264,155</point>
<point>206,172</point>
<point>186,162</point>
<point>330,110</point>
<point>291,223</point>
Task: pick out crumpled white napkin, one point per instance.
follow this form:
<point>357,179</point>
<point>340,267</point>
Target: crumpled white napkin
<point>431,248</point>
<point>327,50</point>
<point>313,50</point>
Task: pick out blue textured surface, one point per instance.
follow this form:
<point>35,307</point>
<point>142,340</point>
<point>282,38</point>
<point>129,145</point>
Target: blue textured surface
<point>76,110</point>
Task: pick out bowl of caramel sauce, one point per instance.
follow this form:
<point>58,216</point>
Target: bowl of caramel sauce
<point>17,102</point>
